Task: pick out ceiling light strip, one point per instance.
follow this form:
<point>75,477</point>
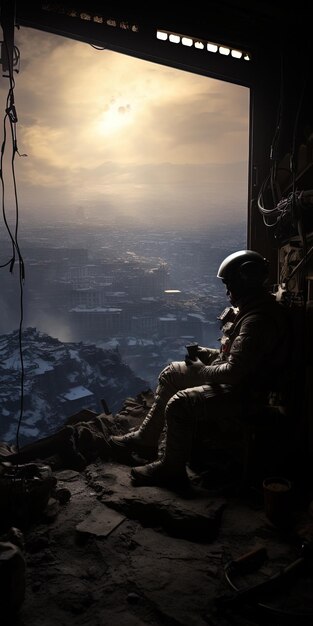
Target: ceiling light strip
<point>201,44</point>
<point>161,35</point>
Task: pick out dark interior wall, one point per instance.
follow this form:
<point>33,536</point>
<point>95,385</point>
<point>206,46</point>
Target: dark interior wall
<point>289,110</point>
<point>281,125</point>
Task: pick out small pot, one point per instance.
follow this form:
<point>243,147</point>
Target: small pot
<point>277,493</point>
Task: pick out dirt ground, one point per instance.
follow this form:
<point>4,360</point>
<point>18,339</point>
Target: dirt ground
<point>103,552</point>
<point>106,553</point>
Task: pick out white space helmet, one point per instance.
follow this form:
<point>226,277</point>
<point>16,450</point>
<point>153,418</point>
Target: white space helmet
<point>245,265</point>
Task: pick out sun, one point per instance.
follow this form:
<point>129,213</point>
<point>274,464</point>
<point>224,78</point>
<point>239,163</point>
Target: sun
<point>115,118</point>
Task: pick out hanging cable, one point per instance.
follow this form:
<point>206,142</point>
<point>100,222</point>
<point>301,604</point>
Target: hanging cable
<point>10,118</point>
<point>269,185</point>
<point>287,213</point>
<point>273,150</point>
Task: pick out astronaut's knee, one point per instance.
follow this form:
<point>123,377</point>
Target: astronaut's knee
<point>163,375</point>
<point>166,374</point>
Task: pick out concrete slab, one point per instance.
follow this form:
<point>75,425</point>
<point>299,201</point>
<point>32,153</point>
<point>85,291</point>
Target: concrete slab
<point>193,515</point>
<point>100,522</point>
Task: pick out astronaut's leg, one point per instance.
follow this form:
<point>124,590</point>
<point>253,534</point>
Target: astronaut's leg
<point>174,377</point>
<point>186,411</point>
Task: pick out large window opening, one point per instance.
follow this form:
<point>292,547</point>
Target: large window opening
<point>133,190</point>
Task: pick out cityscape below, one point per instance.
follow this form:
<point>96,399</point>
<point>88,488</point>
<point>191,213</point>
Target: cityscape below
<point>147,292</point>
<point>142,294</point>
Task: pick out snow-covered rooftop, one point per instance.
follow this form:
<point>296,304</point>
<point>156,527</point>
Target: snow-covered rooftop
<point>77,392</point>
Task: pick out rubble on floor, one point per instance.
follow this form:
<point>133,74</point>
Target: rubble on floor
<point>108,555</point>
<point>101,551</point>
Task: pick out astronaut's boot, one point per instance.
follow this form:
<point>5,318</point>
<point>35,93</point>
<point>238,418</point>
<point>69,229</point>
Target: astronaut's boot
<point>145,440</point>
<point>170,470</point>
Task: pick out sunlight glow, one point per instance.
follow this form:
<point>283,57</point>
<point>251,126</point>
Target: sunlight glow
<point>112,131</point>
<point>115,118</point>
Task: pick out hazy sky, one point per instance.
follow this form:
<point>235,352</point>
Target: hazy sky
<point>110,135</point>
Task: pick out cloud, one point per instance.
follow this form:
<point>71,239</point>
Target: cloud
<point>99,126</point>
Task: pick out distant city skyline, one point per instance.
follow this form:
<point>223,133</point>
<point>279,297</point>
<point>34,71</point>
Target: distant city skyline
<point>110,135</point>
<point>146,292</point>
